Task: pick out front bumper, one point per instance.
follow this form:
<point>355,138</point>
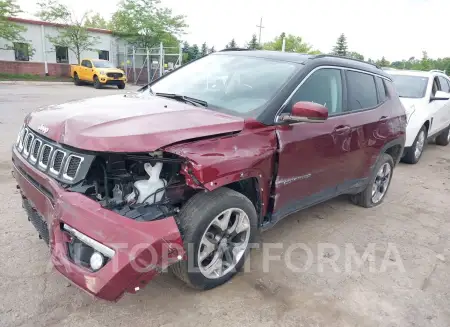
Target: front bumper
<point>142,249</point>
<point>112,81</point>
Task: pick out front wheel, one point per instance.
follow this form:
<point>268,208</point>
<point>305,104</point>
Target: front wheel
<point>413,153</point>
<point>378,186</point>
<point>121,86</point>
<point>97,83</point>
<point>218,228</point>
<point>443,138</point>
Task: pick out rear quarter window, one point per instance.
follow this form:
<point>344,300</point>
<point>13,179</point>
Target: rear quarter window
<point>362,91</point>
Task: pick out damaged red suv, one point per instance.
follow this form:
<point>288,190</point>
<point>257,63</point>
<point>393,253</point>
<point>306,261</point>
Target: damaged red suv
<point>186,171</point>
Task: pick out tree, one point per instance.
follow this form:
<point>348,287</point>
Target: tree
<point>10,31</point>
<point>253,44</point>
<point>97,21</point>
<point>383,62</point>
<point>74,35</point>
<point>356,55</point>
<point>211,50</point>
<point>425,62</point>
<point>204,50</point>
<point>231,45</point>
<point>145,23</point>
<point>195,52</point>
<point>340,49</point>
<point>293,44</point>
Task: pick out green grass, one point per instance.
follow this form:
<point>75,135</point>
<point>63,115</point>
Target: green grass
<point>31,77</point>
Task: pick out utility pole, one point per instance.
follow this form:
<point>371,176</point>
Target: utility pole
<point>260,27</point>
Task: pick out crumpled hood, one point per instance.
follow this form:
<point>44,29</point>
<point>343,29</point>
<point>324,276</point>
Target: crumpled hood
<point>131,123</point>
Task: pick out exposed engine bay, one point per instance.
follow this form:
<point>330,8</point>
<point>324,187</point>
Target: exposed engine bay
<point>143,187</point>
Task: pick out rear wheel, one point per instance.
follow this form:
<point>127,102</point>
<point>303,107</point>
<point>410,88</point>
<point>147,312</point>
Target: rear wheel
<point>121,86</point>
<point>378,186</point>
<point>443,138</point>
<point>97,83</point>
<point>217,229</point>
<point>413,153</point>
<point>76,79</point>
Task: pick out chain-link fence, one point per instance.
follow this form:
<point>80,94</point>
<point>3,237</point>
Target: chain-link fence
<point>143,65</point>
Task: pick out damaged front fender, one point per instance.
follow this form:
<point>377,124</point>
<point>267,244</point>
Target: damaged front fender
<point>217,162</point>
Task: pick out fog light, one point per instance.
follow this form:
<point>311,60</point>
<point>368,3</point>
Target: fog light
<point>96,261</point>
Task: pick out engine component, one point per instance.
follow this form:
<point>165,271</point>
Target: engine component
<point>151,190</point>
<point>145,212</point>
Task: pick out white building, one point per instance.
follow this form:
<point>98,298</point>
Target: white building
<point>48,58</point>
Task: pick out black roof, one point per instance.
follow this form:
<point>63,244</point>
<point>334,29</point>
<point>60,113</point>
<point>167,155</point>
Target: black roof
<point>301,58</point>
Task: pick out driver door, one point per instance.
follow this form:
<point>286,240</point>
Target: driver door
<point>443,106</point>
<point>89,72</point>
<point>312,155</point>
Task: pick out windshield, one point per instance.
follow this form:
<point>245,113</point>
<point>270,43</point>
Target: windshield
<point>410,86</point>
<point>234,84</point>
<point>103,64</point>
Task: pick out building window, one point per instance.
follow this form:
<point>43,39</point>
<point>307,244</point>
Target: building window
<point>103,54</point>
<point>62,55</point>
<point>22,51</point>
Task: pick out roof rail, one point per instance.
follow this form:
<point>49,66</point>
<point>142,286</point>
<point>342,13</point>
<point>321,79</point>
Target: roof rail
<point>234,49</point>
<point>335,56</point>
<point>437,71</point>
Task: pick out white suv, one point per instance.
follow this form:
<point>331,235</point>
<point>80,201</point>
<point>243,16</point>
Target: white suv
<point>426,98</point>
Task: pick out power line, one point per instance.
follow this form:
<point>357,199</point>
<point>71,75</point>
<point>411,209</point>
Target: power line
<point>260,28</point>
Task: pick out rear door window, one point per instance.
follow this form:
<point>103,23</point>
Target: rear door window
<point>362,91</point>
<point>382,96</point>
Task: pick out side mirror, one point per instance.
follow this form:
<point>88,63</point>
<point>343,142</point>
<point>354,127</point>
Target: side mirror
<point>308,112</point>
<point>440,95</point>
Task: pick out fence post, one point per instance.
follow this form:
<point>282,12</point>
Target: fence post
<point>180,60</point>
<point>148,66</point>
<point>134,65</point>
<point>161,59</point>
<point>125,59</point>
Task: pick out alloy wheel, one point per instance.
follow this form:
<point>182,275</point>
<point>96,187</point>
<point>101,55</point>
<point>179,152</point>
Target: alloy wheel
<point>223,243</point>
<point>419,144</point>
<point>381,183</point>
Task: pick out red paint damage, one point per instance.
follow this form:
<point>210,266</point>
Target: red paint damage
<point>129,123</point>
<point>141,250</point>
<point>223,160</point>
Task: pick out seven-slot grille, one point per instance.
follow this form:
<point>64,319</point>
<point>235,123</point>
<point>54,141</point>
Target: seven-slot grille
<point>57,161</point>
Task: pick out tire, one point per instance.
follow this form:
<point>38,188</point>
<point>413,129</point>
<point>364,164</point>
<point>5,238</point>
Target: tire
<point>97,83</point>
<point>443,138</point>
<point>121,86</point>
<point>367,198</point>
<point>412,154</point>
<point>76,80</point>
<point>196,218</point>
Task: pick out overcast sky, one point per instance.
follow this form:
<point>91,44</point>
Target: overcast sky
<point>397,29</point>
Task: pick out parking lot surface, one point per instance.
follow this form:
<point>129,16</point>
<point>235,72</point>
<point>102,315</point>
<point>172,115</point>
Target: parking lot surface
<point>403,281</point>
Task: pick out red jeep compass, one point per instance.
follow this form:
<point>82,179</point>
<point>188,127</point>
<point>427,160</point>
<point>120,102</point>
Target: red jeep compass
<point>187,170</point>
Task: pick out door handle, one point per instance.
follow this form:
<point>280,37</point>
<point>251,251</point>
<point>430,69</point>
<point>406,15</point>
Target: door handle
<point>341,128</point>
<point>383,118</point>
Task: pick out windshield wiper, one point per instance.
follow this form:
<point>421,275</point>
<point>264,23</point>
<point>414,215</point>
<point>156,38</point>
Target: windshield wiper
<point>183,98</point>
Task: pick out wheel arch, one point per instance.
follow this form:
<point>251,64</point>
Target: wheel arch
<point>394,149</point>
<point>250,188</point>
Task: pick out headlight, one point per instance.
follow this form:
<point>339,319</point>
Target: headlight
<point>409,112</point>
<point>102,72</point>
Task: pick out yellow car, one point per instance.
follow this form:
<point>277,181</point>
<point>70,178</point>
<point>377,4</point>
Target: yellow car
<point>98,72</point>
